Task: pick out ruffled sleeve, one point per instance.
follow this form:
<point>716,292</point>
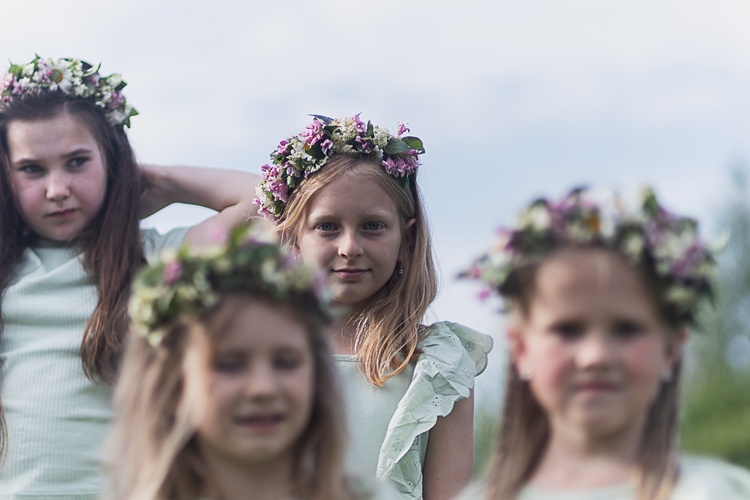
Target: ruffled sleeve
<point>452,355</point>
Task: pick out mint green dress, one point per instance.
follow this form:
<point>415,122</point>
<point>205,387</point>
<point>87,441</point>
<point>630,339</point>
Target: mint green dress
<point>389,426</point>
<point>57,418</point>
<point>700,479</point>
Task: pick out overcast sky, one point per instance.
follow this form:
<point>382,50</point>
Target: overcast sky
<point>513,99</point>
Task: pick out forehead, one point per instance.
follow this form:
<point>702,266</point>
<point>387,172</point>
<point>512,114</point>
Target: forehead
<point>61,133</point>
<point>257,325</point>
<point>591,281</point>
<point>352,194</point>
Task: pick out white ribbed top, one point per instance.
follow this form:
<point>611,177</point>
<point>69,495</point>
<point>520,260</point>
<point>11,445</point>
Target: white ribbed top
<point>57,418</point>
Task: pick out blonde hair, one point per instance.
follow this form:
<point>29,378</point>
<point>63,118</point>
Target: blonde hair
<point>152,449</point>
<point>389,326</point>
<point>524,429</point>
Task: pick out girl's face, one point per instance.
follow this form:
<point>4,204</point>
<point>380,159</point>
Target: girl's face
<point>593,344</point>
<point>353,233</point>
<point>58,175</point>
<point>257,399</point>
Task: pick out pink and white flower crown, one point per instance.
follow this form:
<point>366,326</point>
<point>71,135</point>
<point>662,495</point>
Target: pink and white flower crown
<point>648,234</point>
<point>298,157</point>
<point>73,77</point>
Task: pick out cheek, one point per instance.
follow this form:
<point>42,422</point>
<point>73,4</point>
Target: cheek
<point>214,403</point>
<point>312,250</point>
<point>94,188</point>
<point>550,364</point>
<point>301,389</point>
<point>645,359</point>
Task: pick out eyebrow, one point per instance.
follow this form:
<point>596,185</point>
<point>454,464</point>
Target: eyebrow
<point>75,152</point>
<point>378,214</point>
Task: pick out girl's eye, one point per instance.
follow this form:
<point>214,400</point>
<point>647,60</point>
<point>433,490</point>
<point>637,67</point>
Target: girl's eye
<point>228,364</point>
<point>31,169</point>
<point>373,226</point>
<point>287,361</point>
<point>326,226</point>
<point>627,329</point>
<point>568,330</point>
<point>77,162</point>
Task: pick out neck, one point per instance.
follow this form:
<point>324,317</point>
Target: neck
<point>344,337</point>
<point>231,480</point>
<point>577,460</point>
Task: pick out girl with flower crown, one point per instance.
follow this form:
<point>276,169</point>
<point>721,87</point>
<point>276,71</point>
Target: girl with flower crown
<point>228,387</point>
<point>72,197</point>
<point>344,196</point>
<point>599,298</point>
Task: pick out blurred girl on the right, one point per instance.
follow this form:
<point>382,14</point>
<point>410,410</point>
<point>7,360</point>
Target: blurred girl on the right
<point>599,299</point>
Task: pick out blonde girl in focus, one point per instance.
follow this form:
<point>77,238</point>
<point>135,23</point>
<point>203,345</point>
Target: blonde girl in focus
<point>345,197</point>
<point>228,387</point>
<point>599,298</point>
<point>72,197</point>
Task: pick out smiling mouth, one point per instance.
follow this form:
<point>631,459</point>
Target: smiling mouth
<point>350,273</point>
<point>260,422</point>
<point>596,387</point>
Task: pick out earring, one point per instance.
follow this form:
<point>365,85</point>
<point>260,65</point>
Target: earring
<point>524,373</point>
<point>400,270</point>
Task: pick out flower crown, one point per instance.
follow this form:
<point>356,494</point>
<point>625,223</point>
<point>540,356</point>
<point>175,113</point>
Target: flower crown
<point>301,155</point>
<point>73,77</point>
<point>191,281</point>
<point>648,235</point>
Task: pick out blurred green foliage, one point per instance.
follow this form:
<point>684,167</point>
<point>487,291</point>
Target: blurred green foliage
<point>716,397</point>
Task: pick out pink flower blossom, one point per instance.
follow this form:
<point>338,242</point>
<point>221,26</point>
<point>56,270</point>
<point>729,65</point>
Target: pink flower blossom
<point>359,125</point>
<point>116,100</point>
<point>172,272</point>
<point>93,79</point>
<point>281,148</point>
<point>401,129</point>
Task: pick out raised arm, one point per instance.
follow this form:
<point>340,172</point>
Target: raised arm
<point>229,192</point>
<point>450,453</point>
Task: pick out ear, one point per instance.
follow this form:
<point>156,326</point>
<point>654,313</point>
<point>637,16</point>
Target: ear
<point>409,224</point>
<point>406,240</point>
<point>517,345</point>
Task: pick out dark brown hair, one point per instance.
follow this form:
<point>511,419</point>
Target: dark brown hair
<point>111,244</point>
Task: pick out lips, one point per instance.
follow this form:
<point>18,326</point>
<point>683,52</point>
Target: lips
<point>261,422</point>
<point>350,273</point>
<point>596,386</point>
<point>62,213</point>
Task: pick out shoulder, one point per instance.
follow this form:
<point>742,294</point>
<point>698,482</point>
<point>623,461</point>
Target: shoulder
<point>448,339</point>
<point>155,242</point>
<point>708,478</point>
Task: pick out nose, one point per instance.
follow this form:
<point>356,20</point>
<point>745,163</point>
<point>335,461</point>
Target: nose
<point>261,382</point>
<point>349,245</point>
<point>596,350</point>
<point>58,186</point>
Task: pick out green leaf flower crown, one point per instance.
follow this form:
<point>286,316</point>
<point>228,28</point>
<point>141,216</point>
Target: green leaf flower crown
<point>296,158</point>
<point>647,235</point>
<point>192,280</point>
<point>73,77</point>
